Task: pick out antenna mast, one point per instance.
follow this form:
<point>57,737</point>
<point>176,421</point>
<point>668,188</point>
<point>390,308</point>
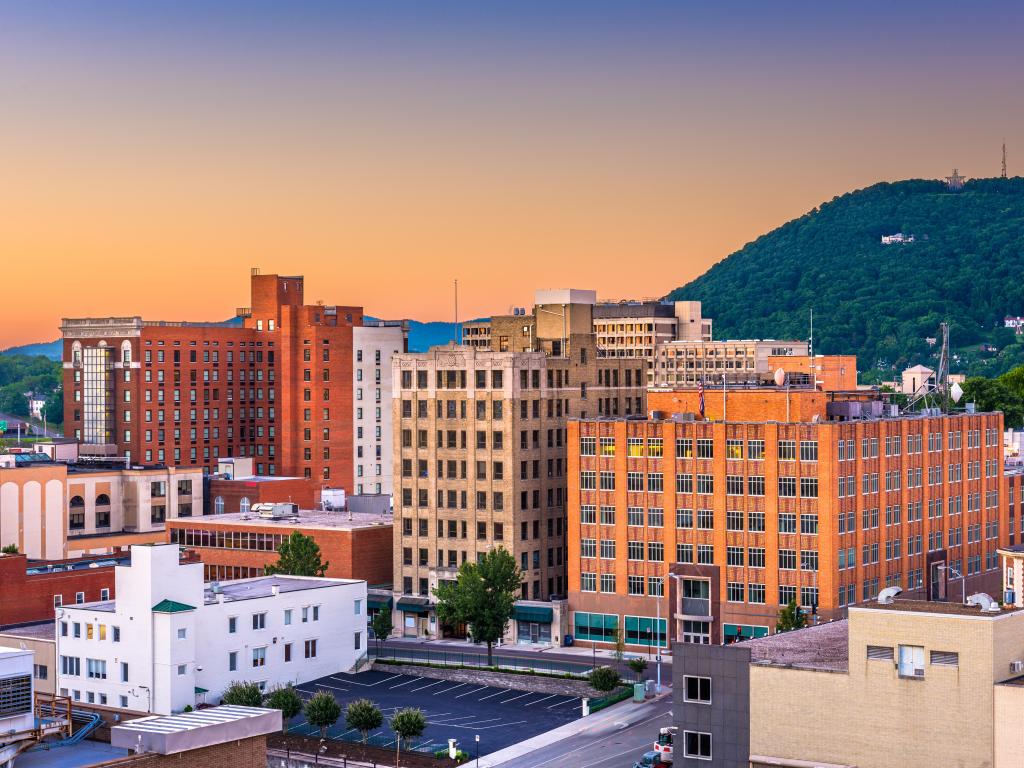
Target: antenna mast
<point>942,375</point>
<point>810,340</point>
<point>458,328</point>
<point>1004,159</point>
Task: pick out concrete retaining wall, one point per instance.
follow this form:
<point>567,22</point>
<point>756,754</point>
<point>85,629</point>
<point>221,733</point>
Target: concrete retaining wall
<point>535,683</point>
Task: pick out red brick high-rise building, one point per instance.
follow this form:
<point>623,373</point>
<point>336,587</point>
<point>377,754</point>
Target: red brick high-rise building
<point>275,383</point>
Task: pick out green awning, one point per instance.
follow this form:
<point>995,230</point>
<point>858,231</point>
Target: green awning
<point>377,603</point>
<point>533,613</point>
<point>410,607</point>
<point>733,630</point>
<point>171,606</point>
<point>200,690</point>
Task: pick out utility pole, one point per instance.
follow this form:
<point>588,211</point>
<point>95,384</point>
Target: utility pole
<point>1003,175</point>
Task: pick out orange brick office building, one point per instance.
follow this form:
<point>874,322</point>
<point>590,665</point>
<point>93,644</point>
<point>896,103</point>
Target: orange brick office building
<point>827,507</point>
<point>274,385</point>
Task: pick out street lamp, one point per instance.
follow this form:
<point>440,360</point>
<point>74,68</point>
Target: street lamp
<point>477,739</point>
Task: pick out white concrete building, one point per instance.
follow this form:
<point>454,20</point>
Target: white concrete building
<point>16,693</point>
<point>168,641</point>
<point>373,346</point>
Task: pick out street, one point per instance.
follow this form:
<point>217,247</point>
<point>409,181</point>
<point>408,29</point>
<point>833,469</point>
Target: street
<point>610,743</point>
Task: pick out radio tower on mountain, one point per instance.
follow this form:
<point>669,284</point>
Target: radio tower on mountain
<point>1003,174</point>
<point>955,182</point>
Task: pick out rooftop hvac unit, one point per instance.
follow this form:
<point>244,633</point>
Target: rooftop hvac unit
<point>266,511</point>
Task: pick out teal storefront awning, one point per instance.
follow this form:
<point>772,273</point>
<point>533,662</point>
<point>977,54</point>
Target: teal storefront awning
<point>744,630</point>
<point>533,613</point>
<point>378,602</point>
<point>409,606</point>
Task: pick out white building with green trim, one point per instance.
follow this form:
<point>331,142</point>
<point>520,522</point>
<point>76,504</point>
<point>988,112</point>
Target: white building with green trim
<point>168,640</point>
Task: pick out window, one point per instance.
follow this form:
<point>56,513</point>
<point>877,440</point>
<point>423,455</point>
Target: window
<point>259,621</point>
<point>911,659</point>
<point>288,616</point>
<point>945,658</point>
<point>879,653</point>
<point>755,450</point>
<point>259,657</point>
<point>697,745</point>
<point>309,649</point>
<point>233,661</point>
<point>697,689</point>
<point>787,450</point>
<point>182,669</point>
<point>357,640</point>
<point>182,633</point>
<point>787,487</point>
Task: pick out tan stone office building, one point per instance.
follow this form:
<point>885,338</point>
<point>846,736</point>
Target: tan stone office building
<point>897,684</point>
<point>480,450</point>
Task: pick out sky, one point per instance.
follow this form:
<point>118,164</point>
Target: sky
<point>151,153</point>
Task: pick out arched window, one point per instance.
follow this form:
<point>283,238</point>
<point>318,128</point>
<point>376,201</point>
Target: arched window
<point>218,505</point>
<point>77,501</point>
<point>243,505</point>
<point>76,516</point>
<point>103,500</point>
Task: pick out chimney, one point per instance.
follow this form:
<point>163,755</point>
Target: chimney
<point>275,590</point>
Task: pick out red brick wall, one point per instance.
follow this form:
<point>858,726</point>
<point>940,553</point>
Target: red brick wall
<point>241,753</point>
<point>25,598</point>
<point>305,493</point>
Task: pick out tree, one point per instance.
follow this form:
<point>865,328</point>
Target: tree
<point>620,646</point>
<point>482,596</point>
<point>322,711</point>
<point>363,715</point>
<point>54,408</point>
<point>382,626</point>
<point>604,679</point>
<point>790,617</point>
<point>408,723</point>
<point>242,694</point>
<point>287,699</point>
<point>298,555</point>
<point>639,665</point>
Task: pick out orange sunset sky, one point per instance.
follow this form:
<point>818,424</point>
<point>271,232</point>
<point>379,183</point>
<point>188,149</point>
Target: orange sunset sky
<point>152,153</point>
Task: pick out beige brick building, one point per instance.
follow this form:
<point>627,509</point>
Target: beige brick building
<point>907,683</point>
<point>480,449</point>
<point>687,362</point>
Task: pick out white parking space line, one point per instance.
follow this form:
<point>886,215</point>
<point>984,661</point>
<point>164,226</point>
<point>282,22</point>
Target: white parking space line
<point>560,703</point>
<point>484,698</point>
<point>365,685</point>
<point>474,726</point>
<point>475,690</point>
<point>514,698</point>
<point>332,687</point>
<point>538,701</point>
<point>429,685</point>
<point>410,680</point>
<point>449,690</point>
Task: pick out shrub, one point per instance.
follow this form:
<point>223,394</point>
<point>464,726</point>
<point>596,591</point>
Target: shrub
<point>322,711</point>
<point>604,679</point>
<point>243,694</point>
<point>363,715</point>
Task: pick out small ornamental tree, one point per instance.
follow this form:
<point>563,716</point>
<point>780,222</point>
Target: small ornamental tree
<point>286,699</point>
<point>243,694</point>
<point>408,723</point>
<point>363,715</point>
<point>790,617</point>
<point>298,555</point>
<point>604,679</point>
<point>322,711</point>
<point>382,626</point>
<point>639,665</point>
<point>620,646</point>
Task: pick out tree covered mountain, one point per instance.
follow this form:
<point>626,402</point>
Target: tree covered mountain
<point>881,302</point>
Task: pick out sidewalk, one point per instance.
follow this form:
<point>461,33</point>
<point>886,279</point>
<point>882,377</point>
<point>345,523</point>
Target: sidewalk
<point>572,650</point>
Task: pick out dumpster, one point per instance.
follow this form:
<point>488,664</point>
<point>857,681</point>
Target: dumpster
<point>639,691</point>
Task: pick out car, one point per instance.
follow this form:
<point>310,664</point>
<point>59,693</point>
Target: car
<point>649,760</point>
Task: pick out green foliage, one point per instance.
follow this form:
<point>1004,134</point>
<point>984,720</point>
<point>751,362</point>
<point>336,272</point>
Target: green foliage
<point>790,617</point>
<point>482,596</point>
<point>604,679</point>
<point>298,555</point>
<point>639,665</point>
<point>363,715</point>
<point>620,646</point>
<point>460,756</point>
<point>9,549</point>
<point>1005,394</point>
<point>188,708</point>
<point>878,301</point>
<point>382,625</point>
<point>322,711</point>
<point>20,374</point>
<point>286,699</point>
<point>408,723</point>
<point>243,694</point>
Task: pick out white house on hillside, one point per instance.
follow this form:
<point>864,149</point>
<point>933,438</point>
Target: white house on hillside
<point>168,641</point>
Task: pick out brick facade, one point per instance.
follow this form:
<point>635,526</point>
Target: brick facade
<point>25,598</point>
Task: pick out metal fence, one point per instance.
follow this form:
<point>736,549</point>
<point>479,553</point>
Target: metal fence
<point>340,732</point>
<point>507,662</point>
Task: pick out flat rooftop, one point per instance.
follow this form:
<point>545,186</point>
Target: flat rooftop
<point>40,630</point>
<point>85,753</point>
<point>933,606</point>
<point>234,591</point>
<point>187,731</point>
<point>822,647</point>
<point>308,518</point>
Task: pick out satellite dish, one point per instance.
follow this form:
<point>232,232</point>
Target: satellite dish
<point>956,392</point>
<point>780,377</point>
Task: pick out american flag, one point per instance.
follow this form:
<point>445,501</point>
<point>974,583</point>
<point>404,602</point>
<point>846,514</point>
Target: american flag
<point>700,397</point>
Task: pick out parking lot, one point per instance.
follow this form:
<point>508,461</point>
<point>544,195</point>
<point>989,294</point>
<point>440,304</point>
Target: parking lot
<point>500,716</point>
